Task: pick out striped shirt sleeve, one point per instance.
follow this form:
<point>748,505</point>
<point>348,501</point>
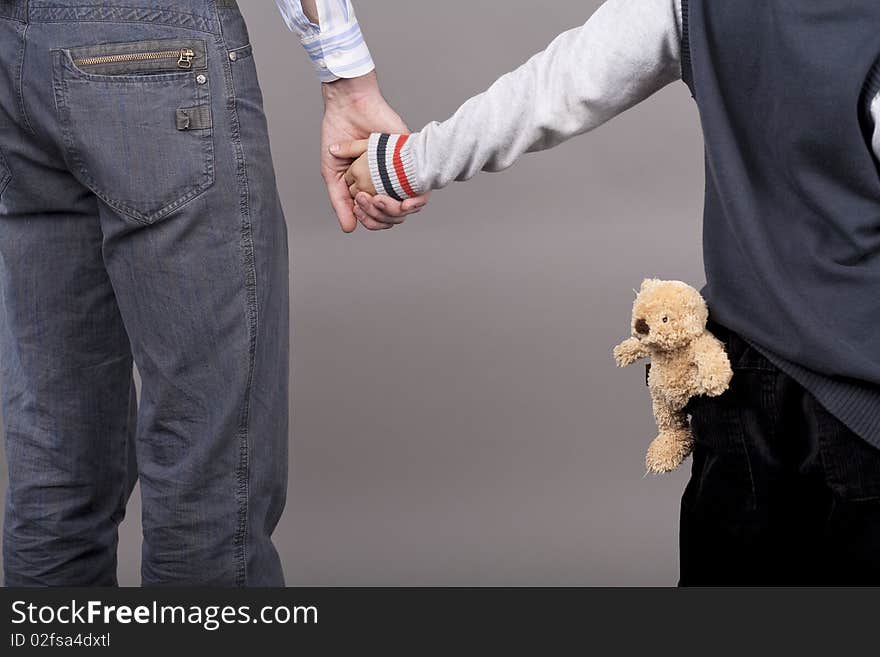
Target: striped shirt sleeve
<point>336,45</point>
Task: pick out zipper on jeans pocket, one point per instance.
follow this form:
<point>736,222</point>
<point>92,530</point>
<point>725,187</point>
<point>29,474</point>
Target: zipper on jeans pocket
<point>184,57</point>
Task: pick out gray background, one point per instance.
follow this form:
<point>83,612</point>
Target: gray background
<point>457,416</point>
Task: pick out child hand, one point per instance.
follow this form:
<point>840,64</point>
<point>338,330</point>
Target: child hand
<point>374,210</point>
<point>357,177</point>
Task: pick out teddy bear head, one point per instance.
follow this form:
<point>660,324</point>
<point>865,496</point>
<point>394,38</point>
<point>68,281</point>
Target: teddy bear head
<point>668,314</point>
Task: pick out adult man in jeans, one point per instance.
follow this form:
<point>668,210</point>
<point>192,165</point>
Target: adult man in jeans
<point>140,222</point>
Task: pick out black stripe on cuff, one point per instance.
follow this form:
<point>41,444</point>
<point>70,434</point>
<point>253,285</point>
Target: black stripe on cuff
<point>381,149</point>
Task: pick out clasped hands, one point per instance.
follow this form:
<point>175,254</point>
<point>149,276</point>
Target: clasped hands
<point>353,109</point>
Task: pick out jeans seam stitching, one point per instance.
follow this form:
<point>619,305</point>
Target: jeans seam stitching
<point>249,264</point>
<point>121,22</point>
<point>20,82</point>
<point>115,16</point>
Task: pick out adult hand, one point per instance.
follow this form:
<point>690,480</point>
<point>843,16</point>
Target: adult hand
<point>354,108</point>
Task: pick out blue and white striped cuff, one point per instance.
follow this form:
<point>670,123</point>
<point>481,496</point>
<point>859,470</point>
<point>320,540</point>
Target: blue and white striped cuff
<point>342,53</point>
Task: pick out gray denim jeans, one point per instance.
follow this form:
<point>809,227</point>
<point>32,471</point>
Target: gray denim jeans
<point>139,223</point>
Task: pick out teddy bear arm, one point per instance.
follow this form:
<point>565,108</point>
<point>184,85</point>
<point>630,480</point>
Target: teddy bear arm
<point>629,351</point>
<point>713,367</point>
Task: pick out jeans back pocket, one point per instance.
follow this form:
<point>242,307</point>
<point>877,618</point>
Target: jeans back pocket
<point>136,119</point>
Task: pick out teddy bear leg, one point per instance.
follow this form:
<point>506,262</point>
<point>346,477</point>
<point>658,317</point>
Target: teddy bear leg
<point>669,450</point>
<point>673,444</point>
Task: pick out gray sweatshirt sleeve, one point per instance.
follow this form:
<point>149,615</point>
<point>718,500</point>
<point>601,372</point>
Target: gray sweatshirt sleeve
<point>627,50</point>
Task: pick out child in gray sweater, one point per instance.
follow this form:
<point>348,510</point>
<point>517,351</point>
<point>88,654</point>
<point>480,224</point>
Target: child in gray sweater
<point>786,475</point>
<point>627,51</point>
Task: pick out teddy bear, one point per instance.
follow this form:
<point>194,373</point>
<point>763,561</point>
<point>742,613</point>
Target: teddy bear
<point>669,327</point>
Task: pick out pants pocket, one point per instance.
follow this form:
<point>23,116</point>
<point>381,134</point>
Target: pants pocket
<point>851,464</point>
<point>5,174</point>
<point>722,482</point>
<point>136,119</point>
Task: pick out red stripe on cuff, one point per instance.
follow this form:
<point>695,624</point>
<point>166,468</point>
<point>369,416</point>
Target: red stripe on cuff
<point>399,169</point>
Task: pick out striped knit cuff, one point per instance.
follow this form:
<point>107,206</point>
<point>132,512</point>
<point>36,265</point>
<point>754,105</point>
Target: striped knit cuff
<point>392,166</point>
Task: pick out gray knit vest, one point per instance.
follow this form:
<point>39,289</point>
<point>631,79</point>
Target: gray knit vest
<point>792,212</point>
